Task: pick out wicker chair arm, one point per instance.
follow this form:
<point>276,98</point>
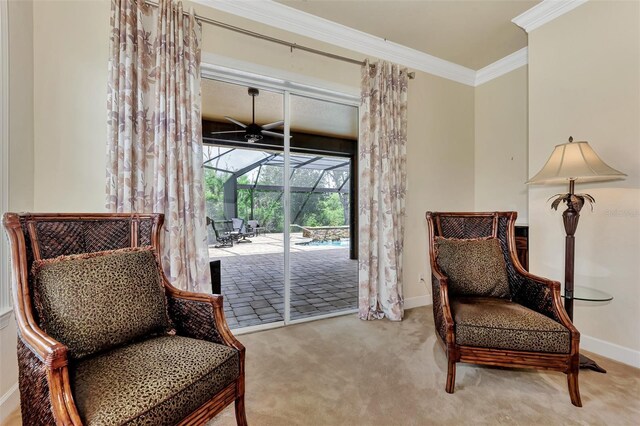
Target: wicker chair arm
<point>200,316</point>
<point>441,305</point>
<point>552,284</point>
<point>543,296</point>
<point>48,350</point>
<point>437,273</point>
<point>44,356</point>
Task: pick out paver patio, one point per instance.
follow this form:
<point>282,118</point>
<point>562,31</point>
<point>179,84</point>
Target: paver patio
<point>323,280</point>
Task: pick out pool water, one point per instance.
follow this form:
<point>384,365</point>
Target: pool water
<point>340,243</point>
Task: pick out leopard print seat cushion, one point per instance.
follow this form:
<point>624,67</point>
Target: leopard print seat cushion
<point>501,324</point>
<point>159,381</point>
<point>475,267</point>
<point>94,302</point>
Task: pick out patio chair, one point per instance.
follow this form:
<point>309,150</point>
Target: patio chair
<point>104,338</point>
<point>222,239</point>
<point>253,227</point>
<point>240,230</point>
<point>226,226</point>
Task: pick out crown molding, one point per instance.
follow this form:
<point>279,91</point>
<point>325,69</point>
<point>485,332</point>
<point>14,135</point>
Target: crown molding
<point>544,12</point>
<point>277,15</point>
<point>502,66</point>
<point>289,19</point>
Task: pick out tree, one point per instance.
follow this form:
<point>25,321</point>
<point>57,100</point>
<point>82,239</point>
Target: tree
<point>307,208</point>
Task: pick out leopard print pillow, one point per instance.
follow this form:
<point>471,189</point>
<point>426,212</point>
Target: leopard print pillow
<point>474,267</point>
<point>94,302</point>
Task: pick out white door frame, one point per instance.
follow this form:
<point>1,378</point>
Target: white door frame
<point>288,84</point>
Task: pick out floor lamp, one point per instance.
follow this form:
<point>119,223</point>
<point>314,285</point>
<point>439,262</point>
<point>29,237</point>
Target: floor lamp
<point>573,162</point>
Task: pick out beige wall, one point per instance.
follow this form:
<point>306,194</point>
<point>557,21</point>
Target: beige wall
<point>70,81</point>
<point>20,161</point>
<point>21,105</point>
<point>439,166</point>
<point>584,81</point>
<point>70,129</point>
<point>501,134</point>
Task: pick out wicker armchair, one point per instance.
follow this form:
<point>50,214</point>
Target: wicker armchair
<point>46,369</point>
<point>529,295</point>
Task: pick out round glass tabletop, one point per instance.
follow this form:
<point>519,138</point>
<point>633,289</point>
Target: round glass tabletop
<point>590,294</point>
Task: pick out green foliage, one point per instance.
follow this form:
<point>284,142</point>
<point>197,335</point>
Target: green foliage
<point>214,197</point>
<point>307,209</point>
<point>332,210</point>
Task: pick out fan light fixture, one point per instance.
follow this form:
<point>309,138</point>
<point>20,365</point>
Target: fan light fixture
<point>254,132</point>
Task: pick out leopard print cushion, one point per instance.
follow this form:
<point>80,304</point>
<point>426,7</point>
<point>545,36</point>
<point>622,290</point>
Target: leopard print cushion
<point>94,302</point>
<point>501,324</point>
<point>159,381</point>
<point>474,267</point>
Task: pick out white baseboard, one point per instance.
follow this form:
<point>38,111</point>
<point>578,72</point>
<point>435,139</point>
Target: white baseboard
<point>414,302</point>
<point>9,402</point>
<point>610,350</point>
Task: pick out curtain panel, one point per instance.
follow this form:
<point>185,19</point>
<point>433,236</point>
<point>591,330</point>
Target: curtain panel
<point>154,145</point>
<point>382,189</point>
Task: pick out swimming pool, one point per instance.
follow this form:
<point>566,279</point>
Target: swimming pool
<point>339,243</point>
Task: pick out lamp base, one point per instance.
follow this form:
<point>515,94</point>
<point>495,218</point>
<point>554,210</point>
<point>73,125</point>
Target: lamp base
<point>588,363</point>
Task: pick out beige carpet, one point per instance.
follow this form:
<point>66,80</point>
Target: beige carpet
<point>343,371</point>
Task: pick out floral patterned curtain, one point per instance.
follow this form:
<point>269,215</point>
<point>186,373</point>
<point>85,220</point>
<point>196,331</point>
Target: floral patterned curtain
<point>129,107</point>
<point>154,147</point>
<point>382,188</point>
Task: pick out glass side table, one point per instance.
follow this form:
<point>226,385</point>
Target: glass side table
<point>588,294</point>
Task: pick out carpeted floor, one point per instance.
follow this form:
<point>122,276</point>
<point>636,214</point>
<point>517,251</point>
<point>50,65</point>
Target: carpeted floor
<point>343,371</point>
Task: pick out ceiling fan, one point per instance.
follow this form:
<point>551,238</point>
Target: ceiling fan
<point>253,132</point>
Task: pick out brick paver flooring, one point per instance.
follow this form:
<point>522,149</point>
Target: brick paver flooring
<point>322,281</point>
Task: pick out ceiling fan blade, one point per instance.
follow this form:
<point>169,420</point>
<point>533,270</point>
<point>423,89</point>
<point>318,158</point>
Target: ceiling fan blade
<point>273,125</point>
<point>233,120</point>
<point>227,131</point>
<point>274,134</point>
<point>210,139</point>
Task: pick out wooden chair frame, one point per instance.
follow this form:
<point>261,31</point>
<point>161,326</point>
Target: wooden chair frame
<point>45,390</point>
<point>530,287</point>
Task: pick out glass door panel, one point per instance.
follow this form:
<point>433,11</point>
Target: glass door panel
<point>244,179</point>
<point>322,259</point>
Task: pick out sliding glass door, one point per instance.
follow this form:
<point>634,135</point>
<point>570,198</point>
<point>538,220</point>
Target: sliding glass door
<point>323,268</point>
<point>280,189</point>
<point>244,184</point>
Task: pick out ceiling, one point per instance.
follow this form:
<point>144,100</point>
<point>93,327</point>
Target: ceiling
<point>307,115</point>
<point>471,33</point>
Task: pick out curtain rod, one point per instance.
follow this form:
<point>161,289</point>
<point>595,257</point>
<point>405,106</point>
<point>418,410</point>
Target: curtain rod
<point>290,45</point>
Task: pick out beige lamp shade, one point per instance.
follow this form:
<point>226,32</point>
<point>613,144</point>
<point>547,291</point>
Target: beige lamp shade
<point>574,161</point>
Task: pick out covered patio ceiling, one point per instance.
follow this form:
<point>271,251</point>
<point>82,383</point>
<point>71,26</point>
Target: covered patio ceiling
<point>239,161</point>
<point>259,170</point>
